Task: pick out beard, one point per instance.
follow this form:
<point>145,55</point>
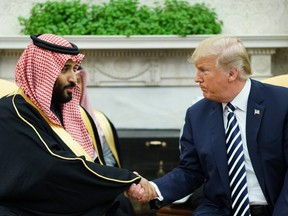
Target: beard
<point>60,95</point>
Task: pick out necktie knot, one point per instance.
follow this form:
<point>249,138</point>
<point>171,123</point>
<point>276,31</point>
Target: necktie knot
<point>230,107</point>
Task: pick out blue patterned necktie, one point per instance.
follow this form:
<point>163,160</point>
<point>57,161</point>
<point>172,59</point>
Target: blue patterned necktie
<point>236,166</point>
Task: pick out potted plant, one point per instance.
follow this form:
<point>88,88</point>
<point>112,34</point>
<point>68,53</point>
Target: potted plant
<point>121,17</point>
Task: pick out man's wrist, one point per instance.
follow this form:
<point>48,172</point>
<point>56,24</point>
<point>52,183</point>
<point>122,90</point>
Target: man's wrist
<point>157,194</point>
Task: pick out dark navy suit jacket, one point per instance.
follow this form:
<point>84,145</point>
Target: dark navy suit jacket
<point>203,157</point>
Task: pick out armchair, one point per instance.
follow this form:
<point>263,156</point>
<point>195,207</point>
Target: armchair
<point>6,87</point>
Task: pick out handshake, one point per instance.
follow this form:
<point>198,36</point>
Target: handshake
<point>143,192</point>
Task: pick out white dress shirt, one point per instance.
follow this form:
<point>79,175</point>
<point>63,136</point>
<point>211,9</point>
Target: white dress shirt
<point>256,196</point>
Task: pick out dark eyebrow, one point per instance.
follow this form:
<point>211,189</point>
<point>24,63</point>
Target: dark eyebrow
<point>67,65</point>
<point>200,67</point>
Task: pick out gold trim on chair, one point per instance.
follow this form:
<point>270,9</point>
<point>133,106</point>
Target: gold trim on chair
<point>7,87</point>
<point>280,80</point>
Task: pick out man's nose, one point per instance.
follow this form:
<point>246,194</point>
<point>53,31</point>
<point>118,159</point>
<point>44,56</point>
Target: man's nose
<point>72,77</point>
<point>197,77</point>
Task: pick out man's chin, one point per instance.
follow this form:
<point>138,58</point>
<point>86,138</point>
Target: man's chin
<point>205,94</point>
<point>61,98</point>
<point>69,98</point>
<point>66,99</point>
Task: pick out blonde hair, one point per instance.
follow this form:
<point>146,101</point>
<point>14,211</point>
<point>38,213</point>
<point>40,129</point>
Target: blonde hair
<point>229,52</point>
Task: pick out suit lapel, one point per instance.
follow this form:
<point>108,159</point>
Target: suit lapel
<point>254,117</point>
<point>219,144</point>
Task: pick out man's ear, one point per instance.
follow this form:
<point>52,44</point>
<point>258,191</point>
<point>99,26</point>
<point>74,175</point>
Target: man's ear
<point>233,74</point>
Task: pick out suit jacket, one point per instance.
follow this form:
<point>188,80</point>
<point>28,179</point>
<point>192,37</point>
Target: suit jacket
<point>203,158</point>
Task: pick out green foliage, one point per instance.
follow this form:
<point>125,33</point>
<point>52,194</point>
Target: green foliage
<point>61,17</point>
<point>121,17</point>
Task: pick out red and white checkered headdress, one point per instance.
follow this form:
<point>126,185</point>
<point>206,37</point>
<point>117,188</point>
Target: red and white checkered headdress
<point>36,72</point>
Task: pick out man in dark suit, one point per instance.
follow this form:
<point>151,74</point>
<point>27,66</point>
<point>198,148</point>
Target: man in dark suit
<point>259,184</point>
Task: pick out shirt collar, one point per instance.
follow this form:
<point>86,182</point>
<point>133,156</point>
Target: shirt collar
<point>241,100</point>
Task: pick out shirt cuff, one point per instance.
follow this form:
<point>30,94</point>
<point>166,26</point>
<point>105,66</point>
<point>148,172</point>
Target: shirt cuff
<point>159,195</point>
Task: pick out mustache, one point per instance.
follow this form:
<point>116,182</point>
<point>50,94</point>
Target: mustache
<point>70,85</point>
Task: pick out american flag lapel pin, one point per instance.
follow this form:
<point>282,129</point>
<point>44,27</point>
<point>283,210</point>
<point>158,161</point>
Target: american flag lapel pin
<point>256,112</point>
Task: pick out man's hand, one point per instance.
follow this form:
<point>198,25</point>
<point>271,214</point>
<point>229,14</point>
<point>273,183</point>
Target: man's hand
<point>142,192</point>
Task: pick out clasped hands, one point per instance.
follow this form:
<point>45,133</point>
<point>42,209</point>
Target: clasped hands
<point>143,192</point>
